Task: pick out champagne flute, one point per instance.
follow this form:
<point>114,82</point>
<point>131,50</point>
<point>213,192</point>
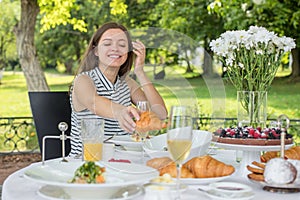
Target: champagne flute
<point>179,138</point>
<point>143,106</point>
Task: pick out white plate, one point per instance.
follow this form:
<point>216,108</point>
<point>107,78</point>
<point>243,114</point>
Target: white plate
<point>250,147</point>
<point>199,181</point>
<point>56,193</point>
<point>127,142</point>
<point>118,175</point>
<point>283,186</point>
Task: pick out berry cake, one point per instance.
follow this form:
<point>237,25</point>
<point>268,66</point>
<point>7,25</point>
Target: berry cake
<point>250,136</point>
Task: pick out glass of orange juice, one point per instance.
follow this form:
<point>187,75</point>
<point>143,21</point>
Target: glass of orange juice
<point>92,133</point>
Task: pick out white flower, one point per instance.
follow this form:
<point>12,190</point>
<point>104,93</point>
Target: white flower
<point>249,56</point>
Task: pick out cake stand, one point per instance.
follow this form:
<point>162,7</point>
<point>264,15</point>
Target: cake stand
<point>250,153</point>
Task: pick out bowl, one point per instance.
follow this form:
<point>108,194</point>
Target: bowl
<point>157,146</point>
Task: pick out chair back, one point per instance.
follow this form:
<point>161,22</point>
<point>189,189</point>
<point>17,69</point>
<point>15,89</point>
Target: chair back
<point>48,110</point>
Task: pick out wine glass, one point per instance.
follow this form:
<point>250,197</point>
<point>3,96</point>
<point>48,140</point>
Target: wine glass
<point>143,106</point>
<point>179,138</point>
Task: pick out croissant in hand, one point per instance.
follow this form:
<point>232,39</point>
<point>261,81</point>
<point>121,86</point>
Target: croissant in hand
<point>148,122</point>
<point>208,167</point>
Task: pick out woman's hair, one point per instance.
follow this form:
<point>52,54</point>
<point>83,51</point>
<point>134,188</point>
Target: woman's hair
<point>90,60</point>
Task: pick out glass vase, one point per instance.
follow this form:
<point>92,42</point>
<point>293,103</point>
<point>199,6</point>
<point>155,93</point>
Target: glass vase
<point>252,108</point>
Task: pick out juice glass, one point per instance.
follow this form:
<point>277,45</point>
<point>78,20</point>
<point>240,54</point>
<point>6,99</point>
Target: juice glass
<point>92,133</point>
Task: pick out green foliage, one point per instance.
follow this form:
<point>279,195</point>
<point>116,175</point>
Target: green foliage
<point>9,12</point>
<point>118,7</point>
<point>282,17</point>
<point>58,12</point>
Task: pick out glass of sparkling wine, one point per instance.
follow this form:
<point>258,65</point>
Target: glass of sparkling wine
<point>143,106</point>
<point>179,138</point>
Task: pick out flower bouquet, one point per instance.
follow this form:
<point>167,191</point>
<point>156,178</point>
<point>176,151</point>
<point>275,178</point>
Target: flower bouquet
<point>251,59</point>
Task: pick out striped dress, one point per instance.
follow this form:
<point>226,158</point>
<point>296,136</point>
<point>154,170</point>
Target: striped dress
<point>118,93</point>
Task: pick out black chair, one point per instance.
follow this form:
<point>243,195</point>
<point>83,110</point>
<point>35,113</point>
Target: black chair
<point>48,110</point>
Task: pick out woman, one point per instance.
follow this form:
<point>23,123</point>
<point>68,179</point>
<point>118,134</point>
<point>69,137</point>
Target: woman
<point>103,89</point>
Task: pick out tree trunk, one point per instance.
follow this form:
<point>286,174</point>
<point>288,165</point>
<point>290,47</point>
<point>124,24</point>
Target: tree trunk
<point>24,31</point>
<point>207,65</point>
<point>296,63</point>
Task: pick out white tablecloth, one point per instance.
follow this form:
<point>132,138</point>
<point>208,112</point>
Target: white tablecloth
<point>17,187</point>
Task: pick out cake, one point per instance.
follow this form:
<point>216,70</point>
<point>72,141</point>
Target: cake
<point>251,136</point>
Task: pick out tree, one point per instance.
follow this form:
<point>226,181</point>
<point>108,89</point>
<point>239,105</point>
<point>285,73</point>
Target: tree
<point>24,31</point>
<point>192,19</point>
<point>9,15</point>
<point>53,13</point>
<point>280,16</point>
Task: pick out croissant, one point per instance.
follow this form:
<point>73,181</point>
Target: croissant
<point>208,167</point>
<point>171,169</point>
<point>292,153</point>
<point>166,165</point>
<point>148,122</point>
<point>269,155</point>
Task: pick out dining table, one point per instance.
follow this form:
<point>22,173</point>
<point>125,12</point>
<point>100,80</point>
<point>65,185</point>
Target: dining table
<point>16,186</point>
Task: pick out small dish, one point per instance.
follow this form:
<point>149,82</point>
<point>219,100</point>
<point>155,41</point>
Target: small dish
<point>228,190</point>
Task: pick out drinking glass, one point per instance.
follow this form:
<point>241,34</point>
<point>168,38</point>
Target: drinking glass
<point>179,138</point>
<point>143,106</point>
<point>92,133</point>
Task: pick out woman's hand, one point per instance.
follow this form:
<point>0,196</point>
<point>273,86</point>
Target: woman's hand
<point>125,118</point>
<point>140,52</point>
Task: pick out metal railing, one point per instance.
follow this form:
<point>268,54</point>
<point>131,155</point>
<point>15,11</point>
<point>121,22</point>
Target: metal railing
<point>18,134</point>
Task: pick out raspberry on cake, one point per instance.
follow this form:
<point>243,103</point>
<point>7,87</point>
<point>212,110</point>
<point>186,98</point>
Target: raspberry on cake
<point>250,136</point>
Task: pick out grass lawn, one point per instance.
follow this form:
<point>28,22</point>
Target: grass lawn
<point>214,97</point>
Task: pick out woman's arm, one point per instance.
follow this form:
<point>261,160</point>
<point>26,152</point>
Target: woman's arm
<point>146,90</point>
<point>85,97</point>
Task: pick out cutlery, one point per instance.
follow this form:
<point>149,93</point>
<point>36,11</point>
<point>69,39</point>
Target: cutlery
<point>107,139</point>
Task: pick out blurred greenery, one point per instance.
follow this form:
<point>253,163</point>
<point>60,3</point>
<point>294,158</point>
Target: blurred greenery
<point>283,98</point>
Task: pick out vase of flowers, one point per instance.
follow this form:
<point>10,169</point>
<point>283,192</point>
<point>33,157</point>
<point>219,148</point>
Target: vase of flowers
<point>251,59</point>
<point>252,108</point>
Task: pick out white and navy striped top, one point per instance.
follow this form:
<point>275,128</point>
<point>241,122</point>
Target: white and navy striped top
<point>118,93</point>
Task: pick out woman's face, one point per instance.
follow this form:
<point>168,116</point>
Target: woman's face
<point>112,48</point>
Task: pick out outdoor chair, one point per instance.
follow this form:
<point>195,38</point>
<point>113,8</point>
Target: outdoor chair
<point>49,109</point>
